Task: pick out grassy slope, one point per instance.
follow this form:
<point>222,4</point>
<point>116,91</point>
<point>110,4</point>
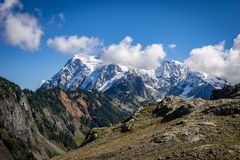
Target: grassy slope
<point>193,136</point>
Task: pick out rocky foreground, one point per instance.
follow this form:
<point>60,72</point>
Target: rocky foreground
<point>171,129</point>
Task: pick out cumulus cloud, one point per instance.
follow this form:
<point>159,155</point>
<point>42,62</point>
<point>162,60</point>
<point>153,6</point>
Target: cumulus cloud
<point>172,46</point>
<point>217,61</point>
<point>124,53</point>
<point>74,44</point>
<point>20,29</point>
<point>134,55</point>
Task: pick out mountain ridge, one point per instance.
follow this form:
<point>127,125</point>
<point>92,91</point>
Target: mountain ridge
<point>88,72</point>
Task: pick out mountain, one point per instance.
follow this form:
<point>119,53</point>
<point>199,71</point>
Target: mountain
<point>49,122</point>
<point>73,73</point>
<point>170,78</point>
<point>45,123</point>
<point>170,129</point>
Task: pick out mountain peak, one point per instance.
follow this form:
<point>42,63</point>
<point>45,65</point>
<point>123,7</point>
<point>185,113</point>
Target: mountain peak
<point>176,62</point>
<point>172,62</point>
<point>89,72</point>
<point>90,61</point>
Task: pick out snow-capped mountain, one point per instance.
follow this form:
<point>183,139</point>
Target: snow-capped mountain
<point>73,73</point>
<point>170,78</point>
<point>102,77</point>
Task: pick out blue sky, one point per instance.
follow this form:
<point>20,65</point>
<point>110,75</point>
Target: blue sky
<point>188,24</point>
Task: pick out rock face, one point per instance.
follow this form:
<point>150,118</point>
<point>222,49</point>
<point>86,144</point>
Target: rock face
<point>171,129</point>
<point>4,152</point>
<point>71,107</point>
<point>49,122</point>
<point>170,78</point>
<point>16,118</point>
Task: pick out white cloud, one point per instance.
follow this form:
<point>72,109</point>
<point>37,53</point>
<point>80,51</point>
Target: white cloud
<point>20,29</point>
<point>172,46</point>
<point>74,44</point>
<point>212,59</point>
<point>124,53</point>
<point>217,61</point>
<point>134,55</point>
<point>236,43</point>
<point>7,5</point>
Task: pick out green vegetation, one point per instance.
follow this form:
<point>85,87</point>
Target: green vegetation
<point>45,98</point>
<point>72,128</point>
<point>15,145</point>
<point>50,100</point>
<point>55,121</point>
<point>65,138</point>
<point>100,107</point>
<point>9,89</point>
<point>227,91</point>
<point>79,138</point>
<point>85,121</point>
<point>18,149</point>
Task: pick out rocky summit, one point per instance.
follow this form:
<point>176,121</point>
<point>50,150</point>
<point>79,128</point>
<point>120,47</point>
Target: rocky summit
<point>169,78</point>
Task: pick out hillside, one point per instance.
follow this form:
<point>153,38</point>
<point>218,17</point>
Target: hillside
<point>171,129</point>
<point>49,122</point>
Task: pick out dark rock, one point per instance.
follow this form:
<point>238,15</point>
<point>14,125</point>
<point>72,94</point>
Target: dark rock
<point>161,111</point>
<point>182,122</point>
<point>179,112</point>
<point>165,106</point>
<point>126,127</point>
<point>91,136</point>
<point>226,109</point>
